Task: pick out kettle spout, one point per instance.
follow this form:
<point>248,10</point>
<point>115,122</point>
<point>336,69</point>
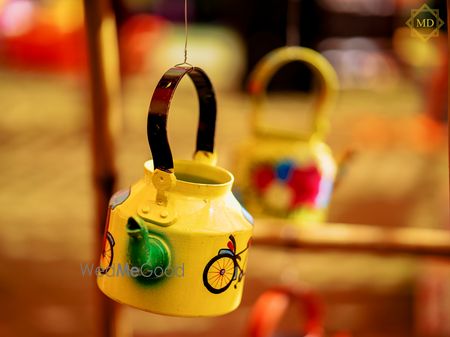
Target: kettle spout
<point>147,251</point>
<point>343,162</point>
<point>135,230</point>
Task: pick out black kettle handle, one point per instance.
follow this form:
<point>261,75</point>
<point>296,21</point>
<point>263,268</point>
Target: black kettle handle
<point>159,110</point>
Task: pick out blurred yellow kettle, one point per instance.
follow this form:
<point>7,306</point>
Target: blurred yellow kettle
<point>288,174</point>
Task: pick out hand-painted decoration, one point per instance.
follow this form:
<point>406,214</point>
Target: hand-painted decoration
<point>107,256</point>
<point>286,187</point>
<point>119,197</point>
<point>224,268</point>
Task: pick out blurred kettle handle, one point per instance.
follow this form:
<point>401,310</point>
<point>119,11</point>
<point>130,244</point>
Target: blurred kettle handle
<point>271,63</point>
<point>271,306</point>
<point>159,110</point>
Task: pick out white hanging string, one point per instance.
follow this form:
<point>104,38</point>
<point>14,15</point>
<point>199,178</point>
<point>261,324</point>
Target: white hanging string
<point>185,35</point>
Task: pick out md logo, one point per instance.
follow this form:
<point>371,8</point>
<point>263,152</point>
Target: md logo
<point>425,22</point>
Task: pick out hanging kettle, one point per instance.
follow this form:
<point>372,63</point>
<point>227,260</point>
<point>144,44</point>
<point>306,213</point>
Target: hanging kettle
<point>176,242</point>
<point>285,174</point>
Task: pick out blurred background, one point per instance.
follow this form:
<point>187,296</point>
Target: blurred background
<point>391,111</point>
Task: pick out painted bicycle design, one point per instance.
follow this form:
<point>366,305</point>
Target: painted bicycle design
<point>224,268</point>
<point>107,256</point>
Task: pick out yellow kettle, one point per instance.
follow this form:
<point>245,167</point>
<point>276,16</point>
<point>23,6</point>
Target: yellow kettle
<point>176,242</point>
<point>284,174</point>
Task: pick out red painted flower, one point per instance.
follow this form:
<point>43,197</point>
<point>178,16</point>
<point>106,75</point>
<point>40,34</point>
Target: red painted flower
<point>262,177</point>
<point>305,182</point>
